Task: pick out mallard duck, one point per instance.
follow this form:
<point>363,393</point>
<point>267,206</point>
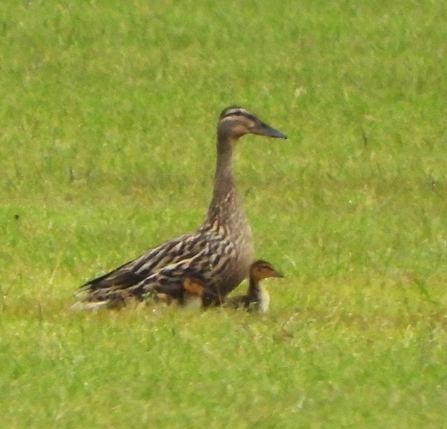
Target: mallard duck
<point>256,298</point>
<point>219,251</point>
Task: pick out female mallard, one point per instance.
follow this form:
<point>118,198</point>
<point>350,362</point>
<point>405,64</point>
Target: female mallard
<point>256,298</point>
<point>219,251</point>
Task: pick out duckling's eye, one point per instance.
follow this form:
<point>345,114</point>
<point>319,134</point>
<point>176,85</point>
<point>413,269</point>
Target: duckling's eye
<point>262,271</point>
<point>266,271</point>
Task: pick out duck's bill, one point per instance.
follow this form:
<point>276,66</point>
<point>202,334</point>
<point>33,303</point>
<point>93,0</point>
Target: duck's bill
<point>263,129</point>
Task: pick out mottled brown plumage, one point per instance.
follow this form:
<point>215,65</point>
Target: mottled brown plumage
<point>219,251</point>
<point>256,298</point>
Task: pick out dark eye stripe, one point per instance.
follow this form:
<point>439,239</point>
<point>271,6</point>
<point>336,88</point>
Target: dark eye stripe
<point>265,267</point>
<point>261,264</point>
<point>232,112</point>
<point>238,112</point>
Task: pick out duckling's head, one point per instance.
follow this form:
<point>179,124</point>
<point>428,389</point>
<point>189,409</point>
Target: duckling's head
<point>235,122</point>
<point>194,285</point>
<point>261,269</point>
<point>192,295</point>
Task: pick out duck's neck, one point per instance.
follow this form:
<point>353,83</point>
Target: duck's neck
<point>254,288</point>
<point>225,203</point>
<point>258,297</point>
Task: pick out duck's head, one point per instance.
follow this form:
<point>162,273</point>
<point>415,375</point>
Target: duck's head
<point>235,122</point>
<point>261,269</point>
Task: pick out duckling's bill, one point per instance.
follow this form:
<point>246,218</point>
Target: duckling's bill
<point>277,274</point>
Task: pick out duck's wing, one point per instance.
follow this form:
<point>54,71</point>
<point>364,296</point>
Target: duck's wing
<point>137,270</point>
<point>206,264</point>
<point>163,268</point>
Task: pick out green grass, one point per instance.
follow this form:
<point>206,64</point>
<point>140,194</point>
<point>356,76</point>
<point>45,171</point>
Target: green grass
<point>108,119</point>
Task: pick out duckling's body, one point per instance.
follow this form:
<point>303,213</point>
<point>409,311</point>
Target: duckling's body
<point>257,298</point>
<point>220,250</point>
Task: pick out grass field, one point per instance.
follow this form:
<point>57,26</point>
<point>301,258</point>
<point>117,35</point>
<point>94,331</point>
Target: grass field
<point>108,113</point>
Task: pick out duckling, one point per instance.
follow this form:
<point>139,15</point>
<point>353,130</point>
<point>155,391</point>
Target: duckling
<point>193,290</point>
<point>220,250</point>
<point>257,298</point>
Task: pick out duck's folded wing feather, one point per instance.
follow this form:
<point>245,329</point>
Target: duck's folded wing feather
<point>164,268</point>
<point>134,272</point>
